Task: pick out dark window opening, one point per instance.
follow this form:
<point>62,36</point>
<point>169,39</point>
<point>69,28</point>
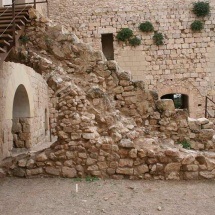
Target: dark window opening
<point>181,101</point>
<point>107,46</point>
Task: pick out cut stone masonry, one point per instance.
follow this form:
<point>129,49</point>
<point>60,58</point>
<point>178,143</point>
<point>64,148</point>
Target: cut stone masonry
<point>107,125</point>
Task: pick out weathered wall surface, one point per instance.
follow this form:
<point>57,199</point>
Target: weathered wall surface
<point>12,75</point>
<point>184,64</point>
<point>107,125</point>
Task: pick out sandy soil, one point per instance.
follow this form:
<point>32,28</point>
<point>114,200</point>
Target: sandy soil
<point>59,197</point>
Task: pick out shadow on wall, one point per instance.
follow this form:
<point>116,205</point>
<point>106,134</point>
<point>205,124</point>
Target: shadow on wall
<point>21,128</point>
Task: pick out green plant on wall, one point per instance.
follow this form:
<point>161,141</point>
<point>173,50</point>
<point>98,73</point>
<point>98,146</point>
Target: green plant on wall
<point>124,34</point>
<point>24,39</point>
<point>134,41</point>
<point>197,26</point>
<point>158,38</point>
<point>146,27</point>
<point>201,8</point>
<point>185,144</point>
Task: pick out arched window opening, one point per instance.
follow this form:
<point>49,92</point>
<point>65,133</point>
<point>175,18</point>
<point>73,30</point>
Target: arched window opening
<point>21,107</point>
<point>21,119</point>
<point>181,101</point>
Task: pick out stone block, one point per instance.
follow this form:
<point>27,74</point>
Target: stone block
<point>207,174</point>
<point>165,105</point>
<point>111,171</point>
<point>19,144</point>
<point>206,134</point>
<point>18,172</point>
<point>209,125</point>
<point>202,121</point>
<point>25,136</point>
<point>22,163</point>
<point>36,171</point>
<point>172,152</point>
<point>69,172</point>
<point>16,127</point>
<point>41,157</point>
<point>89,136</point>
<point>191,175</point>
<point>102,165</point>
<point>126,143</point>
<point>193,125</point>
<point>126,162</point>
<point>133,153</point>
<point>125,171</point>
<point>142,169</point>
<point>172,167</point>
<point>53,170</point>
<point>26,128</point>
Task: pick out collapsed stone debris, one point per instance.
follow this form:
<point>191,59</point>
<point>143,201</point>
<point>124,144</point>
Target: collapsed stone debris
<point>107,125</point>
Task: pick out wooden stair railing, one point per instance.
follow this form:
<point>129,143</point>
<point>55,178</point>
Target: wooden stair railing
<point>13,19</point>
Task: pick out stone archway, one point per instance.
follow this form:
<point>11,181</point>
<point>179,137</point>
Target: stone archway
<point>21,127</point>
<point>184,87</point>
<point>181,101</point>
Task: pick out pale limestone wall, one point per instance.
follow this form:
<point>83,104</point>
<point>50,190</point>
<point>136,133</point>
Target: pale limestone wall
<point>11,76</point>
<point>186,56</point>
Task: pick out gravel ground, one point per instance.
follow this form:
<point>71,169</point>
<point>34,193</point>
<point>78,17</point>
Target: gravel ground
<point>44,196</point>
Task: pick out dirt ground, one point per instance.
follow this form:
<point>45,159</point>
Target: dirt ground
<point>43,196</point>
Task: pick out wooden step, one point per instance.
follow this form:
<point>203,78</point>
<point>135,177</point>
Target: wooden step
<point>6,36</point>
<point>9,21</point>
<point>2,50</point>
<point>4,26</point>
<point>8,13</point>
<point>17,8</point>
<point>8,31</point>
<point>4,43</point>
<point>23,18</point>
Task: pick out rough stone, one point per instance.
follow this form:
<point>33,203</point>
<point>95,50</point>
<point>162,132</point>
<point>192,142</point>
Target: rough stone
<point>53,170</point>
<point>126,143</point>
<point>69,172</point>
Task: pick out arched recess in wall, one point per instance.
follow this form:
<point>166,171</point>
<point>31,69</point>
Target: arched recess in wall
<point>21,106</point>
<point>184,87</point>
<point>21,127</point>
<point>18,76</point>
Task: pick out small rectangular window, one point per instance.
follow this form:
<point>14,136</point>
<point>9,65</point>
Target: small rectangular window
<point>107,46</point>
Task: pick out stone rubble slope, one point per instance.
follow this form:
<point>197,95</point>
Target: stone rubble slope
<point>107,125</point>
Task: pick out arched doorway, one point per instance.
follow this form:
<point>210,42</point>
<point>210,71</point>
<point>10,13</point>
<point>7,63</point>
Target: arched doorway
<point>21,119</point>
<point>181,101</point>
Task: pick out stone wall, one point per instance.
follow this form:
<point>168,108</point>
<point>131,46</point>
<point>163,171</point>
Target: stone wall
<point>13,75</point>
<point>184,64</point>
<point>108,125</point>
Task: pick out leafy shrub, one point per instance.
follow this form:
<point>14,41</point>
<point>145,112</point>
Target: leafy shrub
<point>201,8</point>
<point>91,179</point>
<point>146,27</point>
<point>24,39</point>
<point>158,38</point>
<point>124,34</point>
<point>185,144</point>
<point>197,25</point>
<point>135,41</point>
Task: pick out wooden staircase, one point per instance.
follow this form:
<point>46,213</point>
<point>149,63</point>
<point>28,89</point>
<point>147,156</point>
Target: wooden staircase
<point>12,25</point>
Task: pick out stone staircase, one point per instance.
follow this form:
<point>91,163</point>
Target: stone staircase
<point>12,25</point>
